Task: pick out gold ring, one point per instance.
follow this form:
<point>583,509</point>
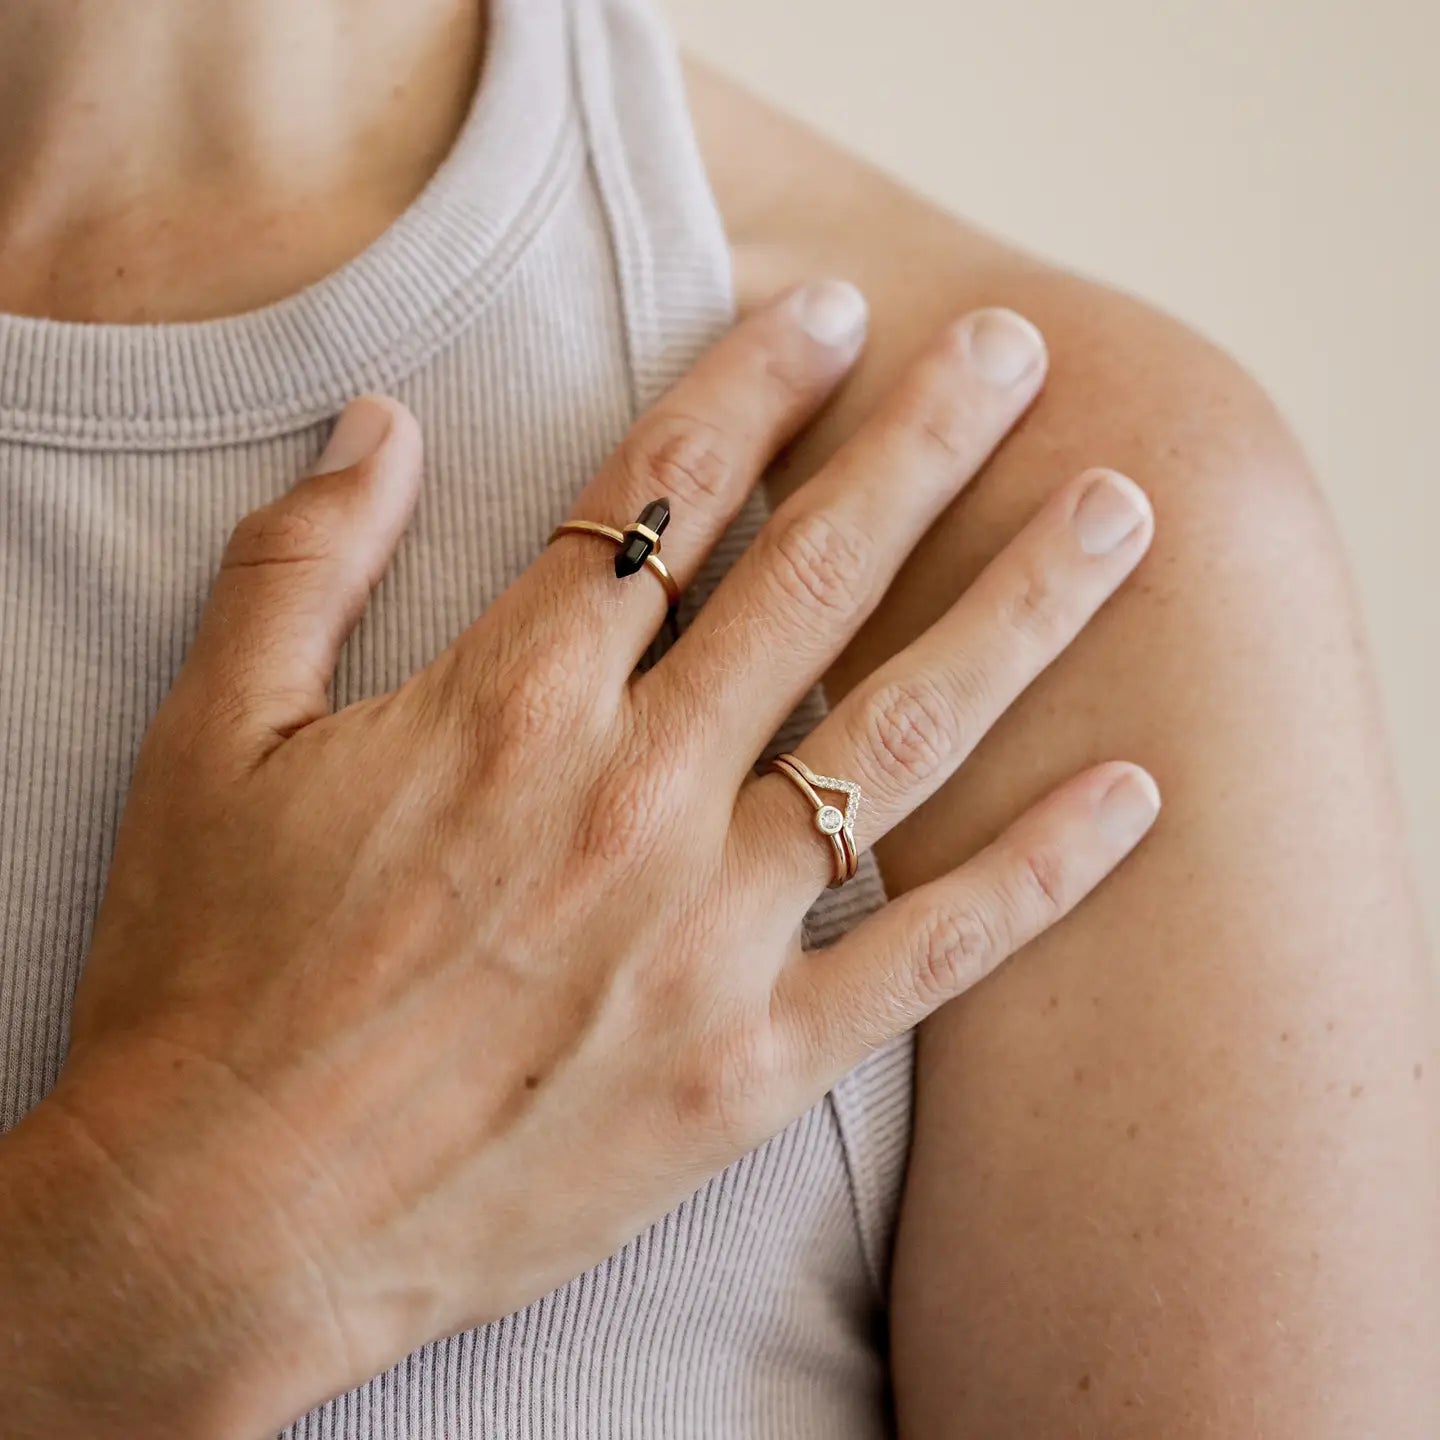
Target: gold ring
<point>837,826</point>
<point>653,562</point>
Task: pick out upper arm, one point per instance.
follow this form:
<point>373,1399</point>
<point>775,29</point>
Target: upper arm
<point>1176,1168</point>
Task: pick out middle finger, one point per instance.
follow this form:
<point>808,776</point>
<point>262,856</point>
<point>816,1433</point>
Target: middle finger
<point>828,554</point>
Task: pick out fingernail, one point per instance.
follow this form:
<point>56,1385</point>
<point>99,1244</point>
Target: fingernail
<point>360,431</point>
<point>1004,347</point>
<point>831,312</point>
<point>1109,512</point>
<point>1129,807</point>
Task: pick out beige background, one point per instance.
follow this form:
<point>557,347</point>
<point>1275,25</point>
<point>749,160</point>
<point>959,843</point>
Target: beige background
<point>1268,171</point>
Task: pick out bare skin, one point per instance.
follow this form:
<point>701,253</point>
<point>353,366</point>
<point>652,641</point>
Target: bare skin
<point>1178,1171</point>
<point>160,168</point>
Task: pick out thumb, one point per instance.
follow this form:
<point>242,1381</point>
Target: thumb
<point>295,578</point>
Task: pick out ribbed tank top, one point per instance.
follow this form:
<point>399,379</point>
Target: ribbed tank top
<point>563,266</point>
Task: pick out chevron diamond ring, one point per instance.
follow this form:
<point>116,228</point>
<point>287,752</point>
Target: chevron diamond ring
<point>836,825</point>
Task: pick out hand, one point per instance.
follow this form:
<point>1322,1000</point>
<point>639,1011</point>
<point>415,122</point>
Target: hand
<point>399,1017</point>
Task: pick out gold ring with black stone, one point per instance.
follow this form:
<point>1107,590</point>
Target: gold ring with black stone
<point>637,545</point>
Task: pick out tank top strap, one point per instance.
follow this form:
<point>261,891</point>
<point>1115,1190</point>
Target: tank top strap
<point>673,269</point>
<point>672,260</point>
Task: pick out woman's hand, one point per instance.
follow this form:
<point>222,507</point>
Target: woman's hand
<point>397,1018</point>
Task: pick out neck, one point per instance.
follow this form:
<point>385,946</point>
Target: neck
<point>169,160</point>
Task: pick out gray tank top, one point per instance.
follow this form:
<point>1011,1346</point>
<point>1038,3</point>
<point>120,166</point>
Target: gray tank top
<point>564,265</point>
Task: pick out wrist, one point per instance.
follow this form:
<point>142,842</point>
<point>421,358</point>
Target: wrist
<point>112,1320</point>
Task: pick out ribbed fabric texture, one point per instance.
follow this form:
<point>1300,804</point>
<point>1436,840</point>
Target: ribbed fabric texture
<point>562,268</point>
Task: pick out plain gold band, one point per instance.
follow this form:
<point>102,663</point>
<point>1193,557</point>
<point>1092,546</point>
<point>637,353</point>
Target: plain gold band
<point>845,859</point>
<point>653,562</point>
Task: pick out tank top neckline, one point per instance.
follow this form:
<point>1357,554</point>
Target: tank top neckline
<point>363,327</point>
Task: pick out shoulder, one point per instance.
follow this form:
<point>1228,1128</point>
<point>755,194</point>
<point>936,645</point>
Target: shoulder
<point>810,208</point>
<point>1257,957</point>
<point>1240,524</point>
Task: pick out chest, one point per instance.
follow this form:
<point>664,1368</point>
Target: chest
<point>703,1326</point>
<point>106,558</point>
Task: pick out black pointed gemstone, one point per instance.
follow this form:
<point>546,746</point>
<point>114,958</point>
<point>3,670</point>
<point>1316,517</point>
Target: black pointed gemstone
<point>656,515</point>
<point>632,555</point>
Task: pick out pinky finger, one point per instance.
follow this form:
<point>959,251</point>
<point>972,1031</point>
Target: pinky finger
<point>939,940</point>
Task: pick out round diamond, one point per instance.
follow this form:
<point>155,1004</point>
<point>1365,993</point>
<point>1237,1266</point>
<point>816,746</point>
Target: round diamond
<point>828,820</point>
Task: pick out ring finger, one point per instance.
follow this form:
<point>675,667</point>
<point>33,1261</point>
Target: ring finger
<point>903,732</point>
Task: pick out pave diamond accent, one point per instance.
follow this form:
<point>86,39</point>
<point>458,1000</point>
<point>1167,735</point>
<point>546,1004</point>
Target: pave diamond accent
<point>849,789</point>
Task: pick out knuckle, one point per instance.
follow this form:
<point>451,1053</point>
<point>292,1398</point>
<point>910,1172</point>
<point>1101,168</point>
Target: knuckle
<point>725,1086</point>
<point>283,534</point>
<point>535,701</point>
<point>1036,606</point>
<point>941,418</point>
<point>817,561</point>
<point>912,730</point>
<point>174,758</point>
<point>681,456</point>
<point>1042,881</point>
<point>790,382</point>
<point>955,947</point>
<point>627,814</point>
<point>941,434</point>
